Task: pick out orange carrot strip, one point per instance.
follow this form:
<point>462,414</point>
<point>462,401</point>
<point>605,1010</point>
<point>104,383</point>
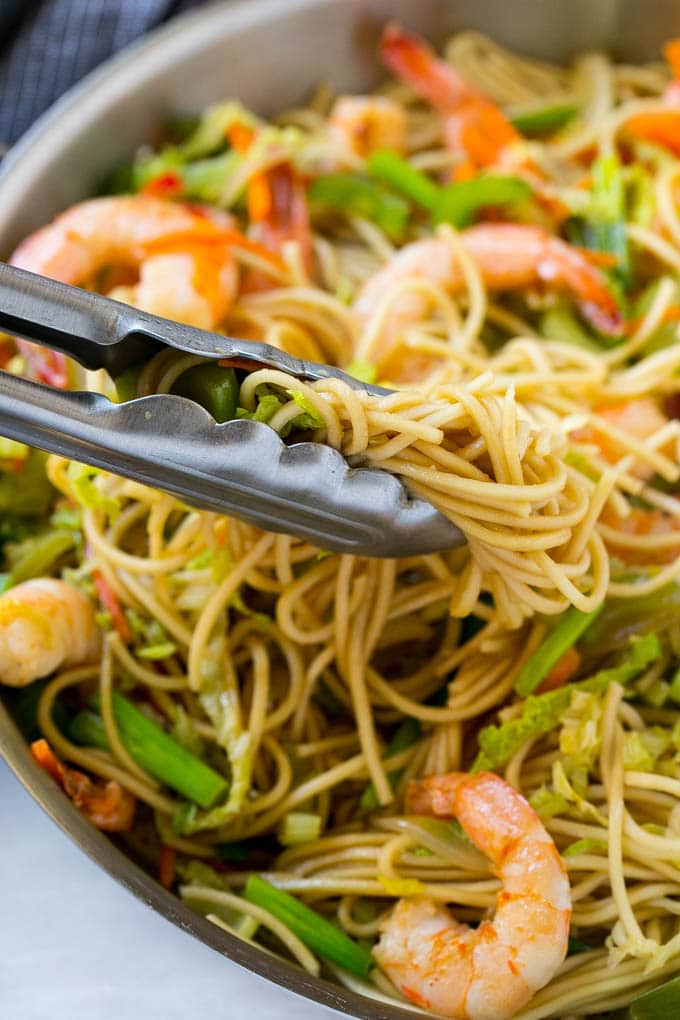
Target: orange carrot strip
<point>47,759</point>
<point>167,859</point>
<point>563,670</point>
<point>662,128</point>
<point>165,185</point>
<point>671,52</point>
<point>109,600</point>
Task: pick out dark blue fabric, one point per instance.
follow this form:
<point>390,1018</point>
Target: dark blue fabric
<point>48,45</point>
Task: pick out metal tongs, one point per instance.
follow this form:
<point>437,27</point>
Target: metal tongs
<point>241,468</point>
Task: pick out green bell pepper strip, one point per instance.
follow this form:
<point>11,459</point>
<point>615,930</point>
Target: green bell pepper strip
<point>543,120</point>
<point>391,169</point>
<point>360,196</point>
<point>152,749</point>
<point>213,387</point>
<point>460,202</point>
<point>311,928</point>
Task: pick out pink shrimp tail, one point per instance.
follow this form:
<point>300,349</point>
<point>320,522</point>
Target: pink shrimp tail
<point>413,61</point>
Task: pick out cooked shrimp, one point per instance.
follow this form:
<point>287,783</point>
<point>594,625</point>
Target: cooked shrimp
<point>639,418</point>
<point>509,256</point>
<point>490,972</point>
<point>44,624</point>
<point>186,270</point>
<point>363,124</point>
<point>106,803</point>
<point>472,125</point>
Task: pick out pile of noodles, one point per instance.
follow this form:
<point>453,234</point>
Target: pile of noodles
<point>291,666</point>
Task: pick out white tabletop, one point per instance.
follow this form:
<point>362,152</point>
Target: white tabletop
<point>74,945</point>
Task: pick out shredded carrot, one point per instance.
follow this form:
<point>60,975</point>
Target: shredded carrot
<point>109,600</point>
<point>563,670</point>
<point>259,195</point>
<point>662,128</point>
<point>167,859</point>
<point>47,759</point>
<point>671,52</point>
<point>464,171</point>
<point>240,136</point>
<point>165,185</point>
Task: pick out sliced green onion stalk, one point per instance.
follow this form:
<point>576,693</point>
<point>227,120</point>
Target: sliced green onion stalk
<point>356,195</point>
<point>459,203</point>
<point>569,628</point>
<point>662,1003</point>
<point>408,732</point>
<point>298,827</point>
<point>536,121</point>
<point>311,928</point>
<point>391,169</point>
<point>152,749</point>
<point>213,387</point>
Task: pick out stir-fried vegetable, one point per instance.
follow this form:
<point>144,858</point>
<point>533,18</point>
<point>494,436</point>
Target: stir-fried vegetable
<point>543,712</point>
<point>360,196</point>
<point>569,628</point>
<point>537,121</point>
<point>213,387</point>
<point>154,751</point>
<point>39,555</point>
<point>314,930</point>
<point>457,203</point>
<point>660,1003</point>
<point>391,169</point>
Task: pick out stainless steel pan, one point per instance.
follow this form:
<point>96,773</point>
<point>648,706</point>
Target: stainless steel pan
<point>269,53</point>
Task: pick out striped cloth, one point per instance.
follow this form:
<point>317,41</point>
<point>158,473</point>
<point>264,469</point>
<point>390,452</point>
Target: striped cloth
<point>47,45</point>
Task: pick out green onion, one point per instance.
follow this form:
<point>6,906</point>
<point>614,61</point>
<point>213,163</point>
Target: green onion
<point>391,169</point>
<point>213,387</point>
<point>569,628</point>
<point>360,196</point>
<point>41,554</point>
<point>298,827</point>
<point>406,734</point>
<point>543,120</point>
<point>311,928</point>
<point>154,751</point>
<point>459,203</point>
<point>660,1003</point>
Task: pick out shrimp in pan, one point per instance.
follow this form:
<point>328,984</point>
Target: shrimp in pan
<point>491,972</point>
<point>45,624</point>
<point>363,124</point>
<point>186,269</point>
<point>510,256</point>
